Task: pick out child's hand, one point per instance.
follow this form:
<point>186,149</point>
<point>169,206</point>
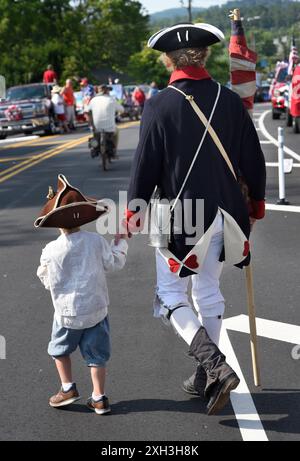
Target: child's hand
<point>119,236</point>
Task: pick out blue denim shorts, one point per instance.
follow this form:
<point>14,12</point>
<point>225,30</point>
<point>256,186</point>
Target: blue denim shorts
<point>94,342</point>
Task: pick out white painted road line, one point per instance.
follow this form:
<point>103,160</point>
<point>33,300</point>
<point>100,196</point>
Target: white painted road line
<point>275,164</point>
<point>13,140</point>
<point>265,142</point>
<point>274,141</point>
<point>248,419</point>
<point>286,208</point>
<point>280,331</point>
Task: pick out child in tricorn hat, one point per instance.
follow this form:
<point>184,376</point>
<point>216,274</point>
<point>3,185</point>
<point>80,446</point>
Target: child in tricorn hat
<point>73,268</point>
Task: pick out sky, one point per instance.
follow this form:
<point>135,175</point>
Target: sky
<point>158,5</point>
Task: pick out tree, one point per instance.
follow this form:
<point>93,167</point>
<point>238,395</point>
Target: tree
<point>145,67</point>
<point>218,63</point>
<point>32,35</point>
<point>115,30</point>
<point>74,36</point>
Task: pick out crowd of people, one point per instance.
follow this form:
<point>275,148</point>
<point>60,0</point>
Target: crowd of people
<point>65,105</point>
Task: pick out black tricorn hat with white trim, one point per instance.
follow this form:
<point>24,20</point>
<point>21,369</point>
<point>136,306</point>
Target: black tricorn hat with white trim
<point>68,207</point>
<point>185,35</point>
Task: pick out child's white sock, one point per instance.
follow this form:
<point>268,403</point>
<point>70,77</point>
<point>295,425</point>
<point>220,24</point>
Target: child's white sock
<point>66,386</point>
<point>97,397</point>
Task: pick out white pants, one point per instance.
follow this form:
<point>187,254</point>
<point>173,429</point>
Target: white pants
<point>207,298</point>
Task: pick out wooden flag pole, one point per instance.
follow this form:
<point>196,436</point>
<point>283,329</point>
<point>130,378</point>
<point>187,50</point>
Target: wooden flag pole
<point>252,325</point>
<point>235,15</point>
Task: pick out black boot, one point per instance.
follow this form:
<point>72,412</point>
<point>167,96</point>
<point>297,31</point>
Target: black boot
<point>199,380</point>
<point>221,379</point>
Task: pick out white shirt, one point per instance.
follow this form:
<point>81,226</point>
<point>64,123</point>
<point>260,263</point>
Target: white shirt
<point>73,268</point>
<point>104,108</point>
<point>58,104</point>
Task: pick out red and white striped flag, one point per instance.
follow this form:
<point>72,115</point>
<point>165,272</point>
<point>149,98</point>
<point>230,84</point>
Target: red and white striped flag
<point>293,58</point>
<point>242,65</point>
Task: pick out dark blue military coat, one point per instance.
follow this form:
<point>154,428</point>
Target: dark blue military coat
<point>169,136</point>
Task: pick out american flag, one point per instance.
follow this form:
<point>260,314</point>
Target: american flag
<point>242,65</point>
<point>293,58</point>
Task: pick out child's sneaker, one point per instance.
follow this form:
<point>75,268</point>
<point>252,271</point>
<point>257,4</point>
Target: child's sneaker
<point>64,398</point>
<point>100,406</point>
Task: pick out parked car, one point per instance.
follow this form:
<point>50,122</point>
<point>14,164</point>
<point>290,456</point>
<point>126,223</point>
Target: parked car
<point>26,109</point>
<point>279,100</point>
<point>279,90</point>
<point>263,93</point>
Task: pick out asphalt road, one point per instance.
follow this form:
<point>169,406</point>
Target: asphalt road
<point>148,361</point>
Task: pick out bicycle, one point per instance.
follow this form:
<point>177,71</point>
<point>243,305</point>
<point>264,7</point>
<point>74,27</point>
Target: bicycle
<point>102,144</point>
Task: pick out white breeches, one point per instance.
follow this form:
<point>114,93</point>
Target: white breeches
<point>207,298</point>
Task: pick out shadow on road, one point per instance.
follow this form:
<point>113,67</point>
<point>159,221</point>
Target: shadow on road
<point>125,407</point>
<point>279,411</point>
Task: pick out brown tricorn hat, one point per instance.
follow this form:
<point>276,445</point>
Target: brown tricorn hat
<point>68,207</point>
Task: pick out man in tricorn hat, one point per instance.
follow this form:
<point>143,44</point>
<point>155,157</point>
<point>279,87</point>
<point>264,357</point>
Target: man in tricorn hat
<point>196,141</point>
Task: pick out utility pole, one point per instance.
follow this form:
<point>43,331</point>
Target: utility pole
<point>189,8</point>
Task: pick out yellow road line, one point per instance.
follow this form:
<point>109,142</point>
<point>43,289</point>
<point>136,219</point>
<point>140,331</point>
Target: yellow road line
<point>41,144</point>
<point>128,125</point>
<point>45,157</point>
<point>15,167</point>
<point>25,143</point>
<point>11,159</point>
<point>42,138</point>
<point>38,141</point>
<point>29,162</point>
<point>32,158</point>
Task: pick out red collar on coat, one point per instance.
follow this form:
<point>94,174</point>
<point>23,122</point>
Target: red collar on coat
<point>189,72</point>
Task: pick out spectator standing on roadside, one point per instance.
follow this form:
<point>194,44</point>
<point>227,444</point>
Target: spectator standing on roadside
<point>59,108</point>
<point>138,97</point>
<point>153,90</point>
<point>50,75</point>
<point>69,100</point>
<point>88,93</point>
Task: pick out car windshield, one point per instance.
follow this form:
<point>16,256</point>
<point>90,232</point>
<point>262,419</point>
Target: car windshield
<point>26,92</point>
<point>282,75</point>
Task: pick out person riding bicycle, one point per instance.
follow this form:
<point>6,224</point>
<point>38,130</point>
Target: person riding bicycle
<point>102,110</point>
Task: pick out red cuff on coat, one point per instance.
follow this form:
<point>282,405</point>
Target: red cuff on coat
<point>256,208</point>
<point>130,224</point>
